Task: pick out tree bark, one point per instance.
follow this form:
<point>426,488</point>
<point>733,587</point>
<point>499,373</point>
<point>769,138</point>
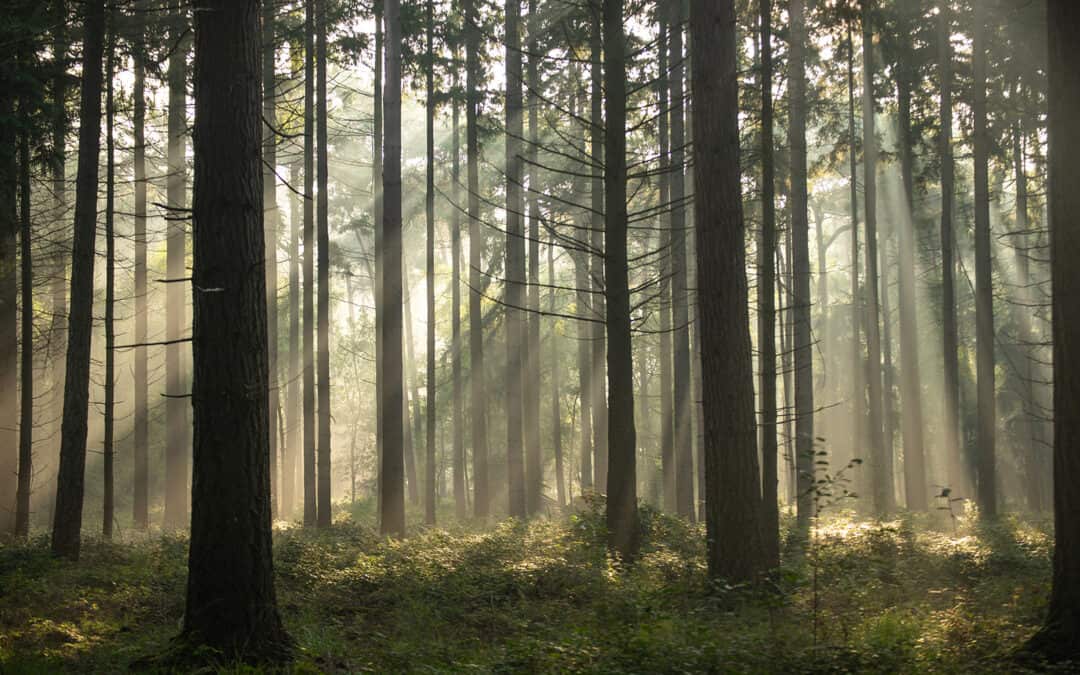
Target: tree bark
<point>26,367</point>
<point>323,507</point>
<point>231,604</point>
<point>70,477</point>
<point>429,208</point>
<point>534,464</point>
<point>141,440</point>
<point>311,507</point>
<point>108,454</point>
<point>598,380</point>
<point>733,499</point>
<point>667,429</point>
<point>272,226</point>
<point>460,499</point>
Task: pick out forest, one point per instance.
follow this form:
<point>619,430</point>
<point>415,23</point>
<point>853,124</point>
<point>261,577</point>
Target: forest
<point>599,336</point>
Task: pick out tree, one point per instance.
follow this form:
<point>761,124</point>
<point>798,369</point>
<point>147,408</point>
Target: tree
<point>766,298</point>
<point>800,270</point>
<point>732,482</point>
<point>1059,638</point>
<point>67,524</point>
<point>108,450</point>
<point>622,514</point>
<point>392,507</point>
<point>429,212</point>
<point>667,414</point>
<point>176,451</point>
<point>26,367</point>
<point>272,226</point>
<point>515,264</point>
<point>231,604</point>
<point>458,423</point>
<point>534,466</point>
<point>310,486</point>
<point>597,382</point>
<point>323,509</point>
<point>986,492</point>
<point>140,451</point>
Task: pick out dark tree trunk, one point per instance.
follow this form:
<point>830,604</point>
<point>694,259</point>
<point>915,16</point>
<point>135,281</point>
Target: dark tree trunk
<point>680,317</point>
<point>393,493</point>
<point>957,474</point>
<point>460,499</point>
<point>1059,638</point>
<point>770,524</point>
<point>910,382</point>
<point>26,367</point>
<point>622,514</point>
<point>141,440</point>
<point>986,491</point>
<point>516,346</point>
<point>377,217</point>
<point>667,430</point>
<point>477,386</point>
<point>108,454</point>
<point>429,208</point>
<point>800,271</point>
<point>292,392</point>
<point>323,508</point>
<point>70,478</point>
<point>412,394</point>
<point>176,451</point>
<point>880,453</point>
<point>556,384</point>
<point>534,465</point>
<point>310,485</point>
<point>9,317</point>
<point>272,226</point>
<point>858,365</point>
<point>733,500</point>
<point>598,380</point>
<point>231,604</point>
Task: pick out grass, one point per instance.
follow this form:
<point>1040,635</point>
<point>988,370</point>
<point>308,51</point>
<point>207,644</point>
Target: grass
<point>900,596</point>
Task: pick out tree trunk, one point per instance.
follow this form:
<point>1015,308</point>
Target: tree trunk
<point>176,452</point>
<point>412,395</point>
<point>323,507</point>
<point>272,224</point>
<point>986,491</point>
<point>1059,639</point>
<point>534,465</point>
<point>733,500</point>
<point>766,299</point>
<point>880,453</point>
<point>70,477</point>
<point>108,454</point>
<point>393,494</point>
<point>556,413</point>
<point>26,367</point>
<point>292,392</point>
<point>680,317</point>
<point>460,501</point>
<point>622,514</point>
<point>667,431</point>
<point>231,604</point>
<point>141,440</point>
<point>858,365</point>
<point>477,386</point>
<point>377,217</point>
<point>310,484</point>
<point>429,208</point>
<point>598,379</point>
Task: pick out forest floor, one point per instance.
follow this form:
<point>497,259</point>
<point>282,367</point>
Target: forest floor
<point>898,596</point>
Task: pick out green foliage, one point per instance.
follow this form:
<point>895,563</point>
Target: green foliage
<point>544,596</point>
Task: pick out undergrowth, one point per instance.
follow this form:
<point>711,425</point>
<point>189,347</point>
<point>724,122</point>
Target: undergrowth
<point>898,596</point>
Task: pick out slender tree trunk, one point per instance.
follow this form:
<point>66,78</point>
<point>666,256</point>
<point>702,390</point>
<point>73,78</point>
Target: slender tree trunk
<point>231,604</point>
<point>516,345</point>
<point>393,494</point>
<point>766,299</point>
<point>910,381</point>
<point>477,386</point>
<point>176,452</point>
<point>9,319</point>
<point>412,394</point>
<point>534,465</point>
<point>429,488</point>
<point>800,271</point>
<point>1059,639</point>
<point>598,381</point>
<point>377,217</point>
<point>667,431</point>
<point>292,392</point>
<point>323,508</point>
<point>622,514</point>
<point>460,501</point>
<point>141,431</point>
<point>272,226</point>
<point>556,384</point>
<point>733,502</point>
<point>24,483</point>
<point>108,453</point>
<point>680,318</point>
<point>880,453</point>
<point>310,484</point>
<point>986,491</point>
<point>858,365</point>
<point>70,478</point>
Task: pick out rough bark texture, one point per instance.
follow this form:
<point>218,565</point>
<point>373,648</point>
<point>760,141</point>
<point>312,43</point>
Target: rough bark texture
<point>392,519</point>
<point>141,440</point>
<point>667,430</point>
<point>176,406</point>
<point>766,300</point>
<point>1060,637</point>
<point>108,450</point>
<point>429,212</point>
<point>70,478</point>
<point>622,514</point>
<point>9,318</point>
<point>271,225</point>
<point>26,367</point>
<point>800,271</point>
<point>534,464</point>
<point>733,498</point>
<point>858,356</point>
<point>310,489</point>
<point>477,386</point>
<point>231,604</point>
<point>986,491</point>
<point>598,379</point>
<point>324,507</point>
<point>516,346</point>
